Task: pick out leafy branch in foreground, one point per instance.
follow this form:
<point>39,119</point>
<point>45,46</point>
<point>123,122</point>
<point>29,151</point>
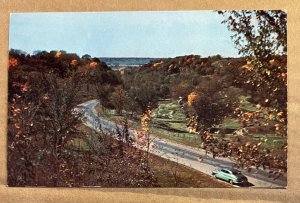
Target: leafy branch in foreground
<point>261,38</point>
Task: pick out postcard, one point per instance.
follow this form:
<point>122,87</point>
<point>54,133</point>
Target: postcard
<point>150,99</point>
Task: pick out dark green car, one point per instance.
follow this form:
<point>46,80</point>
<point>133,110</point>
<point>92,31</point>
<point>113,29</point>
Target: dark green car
<point>233,176</point>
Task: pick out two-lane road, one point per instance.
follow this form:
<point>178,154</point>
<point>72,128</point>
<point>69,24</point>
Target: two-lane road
<point>178,152</point>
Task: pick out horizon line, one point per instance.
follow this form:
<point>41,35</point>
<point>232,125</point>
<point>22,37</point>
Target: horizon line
<point>151,57</point>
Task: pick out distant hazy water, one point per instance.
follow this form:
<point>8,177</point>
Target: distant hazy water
<point>126,62</point>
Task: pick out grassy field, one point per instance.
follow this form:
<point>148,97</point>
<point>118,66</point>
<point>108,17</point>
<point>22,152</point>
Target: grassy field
<point>169,122</point>
<point>246,105</point>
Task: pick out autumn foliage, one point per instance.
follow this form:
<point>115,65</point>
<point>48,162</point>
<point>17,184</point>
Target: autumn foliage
<point>13,62</point>
<point>264,75</point>
<point>45,87</point>
<point>45,137</point>
<point>192,97</point>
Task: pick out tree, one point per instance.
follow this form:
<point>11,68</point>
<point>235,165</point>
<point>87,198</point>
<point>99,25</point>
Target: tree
<point>210,104</point>
<point>103,93</point>
<point>87,57</point>
<point>145,125</point>
<point>40,125</point>
<point>16,52</point>
<point>144,93</point>
<point>181,90</point>
<point>119,99</point>
<point>261,36</point>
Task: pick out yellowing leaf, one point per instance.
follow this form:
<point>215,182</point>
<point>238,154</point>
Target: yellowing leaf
<point>277,126</point>
<point>74,62</point>
<point>272,61</point>
<point>157,64</point>
<point>58,54</point>
<point>93,64</point>
<point>13,62</point>
<point>192,98</point>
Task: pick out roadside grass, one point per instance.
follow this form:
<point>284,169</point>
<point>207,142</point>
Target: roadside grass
<point>78,144</point>
<point>270,141</point>
<point>167,173</point>
<point>183,138</point>
<point>172,174</point>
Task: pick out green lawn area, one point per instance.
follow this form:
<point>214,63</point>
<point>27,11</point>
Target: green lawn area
<point>246,105</point>
<point>231,123</point>
<point>270,141</point>
<point>169,122</point>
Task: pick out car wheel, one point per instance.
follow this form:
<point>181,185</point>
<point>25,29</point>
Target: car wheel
<point>231,182</point>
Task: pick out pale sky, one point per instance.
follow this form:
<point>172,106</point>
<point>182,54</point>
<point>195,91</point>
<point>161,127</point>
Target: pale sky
<point>123,34</point>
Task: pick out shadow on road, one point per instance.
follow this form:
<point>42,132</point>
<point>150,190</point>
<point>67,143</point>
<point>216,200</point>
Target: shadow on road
<point>247,184</point>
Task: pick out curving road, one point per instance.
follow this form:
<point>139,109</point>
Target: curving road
<point>178,152</point>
